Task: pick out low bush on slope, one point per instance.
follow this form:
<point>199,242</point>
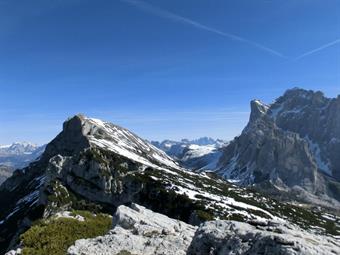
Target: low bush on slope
<point>55,235</point>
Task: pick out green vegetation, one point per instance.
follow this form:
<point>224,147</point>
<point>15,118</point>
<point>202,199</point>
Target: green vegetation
<point>204,215</point>
<point>54,236</point>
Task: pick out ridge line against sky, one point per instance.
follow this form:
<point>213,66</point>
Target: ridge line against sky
<point>177,18</point>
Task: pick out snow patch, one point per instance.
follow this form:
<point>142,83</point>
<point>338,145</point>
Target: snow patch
<point>68,215</point>
<point>315,149</point>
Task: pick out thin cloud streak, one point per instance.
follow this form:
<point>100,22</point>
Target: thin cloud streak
<point>177,18</point>
<point>318,49</point>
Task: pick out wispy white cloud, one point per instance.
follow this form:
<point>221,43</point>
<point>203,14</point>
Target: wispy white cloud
<point>177,18</point>
<point>318,49</point>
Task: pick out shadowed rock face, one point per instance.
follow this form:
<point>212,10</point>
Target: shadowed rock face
<point>70,140</point>
<point>5,172</point>
<point>315,118</point>
<point>294,142</point>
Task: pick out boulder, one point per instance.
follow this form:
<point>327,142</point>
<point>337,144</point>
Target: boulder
<point>137,230</point>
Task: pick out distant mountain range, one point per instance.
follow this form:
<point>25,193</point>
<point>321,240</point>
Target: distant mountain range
<point>259,193</point>
<point>193,154</point>
<point>19,154</point>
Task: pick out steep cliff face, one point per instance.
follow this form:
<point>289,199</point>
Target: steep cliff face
<point>290,144</point>
<point>5,172</point>
<point>316,119</point>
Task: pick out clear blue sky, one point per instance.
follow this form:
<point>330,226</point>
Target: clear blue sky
<point>164,69</point>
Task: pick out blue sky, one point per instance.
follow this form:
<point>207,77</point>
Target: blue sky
<point>164,69</point>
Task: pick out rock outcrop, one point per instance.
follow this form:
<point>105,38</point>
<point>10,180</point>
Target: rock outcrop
<point>232,237</point>
<point>137,230</point>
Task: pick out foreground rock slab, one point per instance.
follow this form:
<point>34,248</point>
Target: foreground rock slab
<point>238,238</point>
<point>137,230</point>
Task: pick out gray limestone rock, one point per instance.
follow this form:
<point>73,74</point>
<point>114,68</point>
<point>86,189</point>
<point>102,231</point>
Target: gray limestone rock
<point>138,230</point>
<point>293,143</point>
<point>238,238</point>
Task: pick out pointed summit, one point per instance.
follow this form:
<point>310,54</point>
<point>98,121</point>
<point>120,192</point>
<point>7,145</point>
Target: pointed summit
<point>258,109</point>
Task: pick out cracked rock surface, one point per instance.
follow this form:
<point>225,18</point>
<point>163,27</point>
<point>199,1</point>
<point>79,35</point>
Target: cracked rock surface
<point>137,231</point>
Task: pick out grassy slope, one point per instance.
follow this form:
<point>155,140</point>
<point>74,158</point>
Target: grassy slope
<point>55,235</point>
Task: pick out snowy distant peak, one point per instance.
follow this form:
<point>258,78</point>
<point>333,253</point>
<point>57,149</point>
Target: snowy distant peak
<point>198,154</point>
<point>205,141</point>
<point>98,133</point>
<point>18,148</point>
<point>202,141</point>
<point>19,154</point>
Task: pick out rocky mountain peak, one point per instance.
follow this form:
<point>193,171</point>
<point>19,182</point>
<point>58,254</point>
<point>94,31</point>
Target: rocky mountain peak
<point>293,142</point>
<point>258,109</point>
<point>296,97</point>
<point>80,132</point>
<point>72,138</point>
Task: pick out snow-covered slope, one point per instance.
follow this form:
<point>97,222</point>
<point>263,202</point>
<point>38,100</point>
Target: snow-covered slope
<point>123,142</point>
